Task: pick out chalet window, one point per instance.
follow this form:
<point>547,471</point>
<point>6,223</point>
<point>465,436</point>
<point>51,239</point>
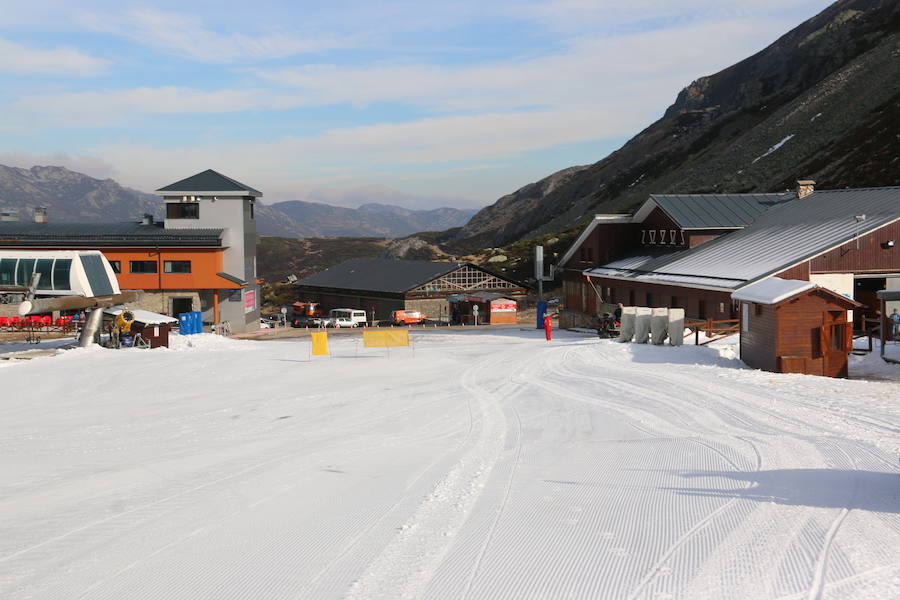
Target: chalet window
<point>757,310</point>
<point>745,317</point>
<point>722,307</point>
<point>44,266</point>
<point>183,210</point>
<point>116,266</point>
<point>676,302</point>
<point>142,266</point>
<point>649,299</point>
<point>177,266</point>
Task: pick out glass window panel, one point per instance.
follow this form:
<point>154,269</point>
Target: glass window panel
<point>62,268</point>
<point>45,268</point>
<point>24,271</point>
<point>8,271</point>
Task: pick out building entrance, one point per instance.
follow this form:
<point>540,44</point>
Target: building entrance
<point>181,305</point>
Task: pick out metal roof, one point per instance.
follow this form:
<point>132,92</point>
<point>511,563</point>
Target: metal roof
<point>19,233</point>
<point>209,182</point>
<point>379,275</point>
<point>717,211</point>
<point>783,236</point>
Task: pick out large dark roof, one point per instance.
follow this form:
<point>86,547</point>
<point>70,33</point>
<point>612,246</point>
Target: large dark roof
<point>379,275</point>
<point>20,233</point>
<point>210,181</point>
<point>717,211</point>
<point>782,237</point>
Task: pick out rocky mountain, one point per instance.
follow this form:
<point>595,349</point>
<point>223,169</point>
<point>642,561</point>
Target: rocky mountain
<point>822,103</point>
<point>71,196</point>
<point>381,220</point>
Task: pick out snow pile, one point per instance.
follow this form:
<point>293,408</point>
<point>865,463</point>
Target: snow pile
<point>773,148</point>
<point>204,341</point>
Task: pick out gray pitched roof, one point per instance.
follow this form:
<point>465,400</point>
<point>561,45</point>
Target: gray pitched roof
<point>210,181</point>
<point>19,233</point>
<point>379,275</point>
<point>717,211</point>
<point>780,238</point>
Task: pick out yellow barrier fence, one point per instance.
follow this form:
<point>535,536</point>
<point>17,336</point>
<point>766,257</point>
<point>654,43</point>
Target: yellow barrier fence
<point>319,343</point>
<point>386,339</point>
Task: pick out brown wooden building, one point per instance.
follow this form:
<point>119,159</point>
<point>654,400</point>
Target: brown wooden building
<point>693,251</point>
<point>791,326</point>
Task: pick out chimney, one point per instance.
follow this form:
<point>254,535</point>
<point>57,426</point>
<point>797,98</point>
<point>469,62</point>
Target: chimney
<point>805,187</point>
<point>40,214</point>
<point>9,215</point>
<point>147,219</point>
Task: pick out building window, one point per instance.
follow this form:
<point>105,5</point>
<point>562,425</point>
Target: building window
<point>251,210</point>
<point>722,307</point>
<point>757,309</point>
<point>177,266</point>
<point>116,266</point>
<point>630,297</point>
<point>143,266</point>
<point>676,302</point>
<point>649,299</point>
<point>186,210</point>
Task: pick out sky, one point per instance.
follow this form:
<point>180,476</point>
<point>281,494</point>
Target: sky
<point>415,103</point>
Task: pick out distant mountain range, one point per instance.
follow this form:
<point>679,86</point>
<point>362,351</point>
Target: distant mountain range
<point>822,102</point>
<point>71,197</point>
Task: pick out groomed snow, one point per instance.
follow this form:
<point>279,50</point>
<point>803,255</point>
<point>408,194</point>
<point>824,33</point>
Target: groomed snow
<point>476,465</point>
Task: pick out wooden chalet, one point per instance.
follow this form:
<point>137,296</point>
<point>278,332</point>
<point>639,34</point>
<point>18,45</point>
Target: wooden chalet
<point>694,251</point>
<point>791,326</point>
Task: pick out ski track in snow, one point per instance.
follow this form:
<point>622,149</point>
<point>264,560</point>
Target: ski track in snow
<point>484,466</point>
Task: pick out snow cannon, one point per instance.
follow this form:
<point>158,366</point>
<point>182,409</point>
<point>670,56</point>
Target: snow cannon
<point>124,320</point>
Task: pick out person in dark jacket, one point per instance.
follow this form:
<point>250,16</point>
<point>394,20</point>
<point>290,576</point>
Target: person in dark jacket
<point>617,313</point>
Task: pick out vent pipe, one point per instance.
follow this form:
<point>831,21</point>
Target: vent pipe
<point>805,187</point>
<point>9,215</point>
<point>147,219</point>
<point>40,214</point>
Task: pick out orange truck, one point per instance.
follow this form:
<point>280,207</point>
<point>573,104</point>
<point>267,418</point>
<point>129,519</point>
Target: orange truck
<point>307,309</point>
<point>407,317</point>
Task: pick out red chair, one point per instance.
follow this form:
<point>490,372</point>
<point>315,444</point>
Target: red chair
<point>4,321</point>
<point>14,321</point>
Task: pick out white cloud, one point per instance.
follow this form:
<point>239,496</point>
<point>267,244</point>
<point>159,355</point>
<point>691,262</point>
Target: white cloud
<point>67,62</point>
<point>187,36</point>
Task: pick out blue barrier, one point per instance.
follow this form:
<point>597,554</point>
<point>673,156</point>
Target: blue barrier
<point>541,311</point>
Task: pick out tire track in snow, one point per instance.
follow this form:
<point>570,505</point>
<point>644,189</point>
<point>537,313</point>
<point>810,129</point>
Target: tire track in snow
<point>406,565</point>
<point>817,587</point>
<point>700,525</point>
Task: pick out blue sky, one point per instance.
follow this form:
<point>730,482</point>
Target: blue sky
<point>416,103</point>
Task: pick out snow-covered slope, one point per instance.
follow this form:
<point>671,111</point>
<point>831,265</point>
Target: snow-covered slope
<point>477,465</point>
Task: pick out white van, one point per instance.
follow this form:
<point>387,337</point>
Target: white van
<point>357,317</point>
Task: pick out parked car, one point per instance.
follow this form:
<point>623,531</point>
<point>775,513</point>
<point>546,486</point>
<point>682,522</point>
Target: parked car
<point>266,324</point>
<point>357,316</point>
<point>307,322</point>
<point>340,322</point>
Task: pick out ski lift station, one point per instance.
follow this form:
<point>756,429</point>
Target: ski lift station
<point>202,257</point>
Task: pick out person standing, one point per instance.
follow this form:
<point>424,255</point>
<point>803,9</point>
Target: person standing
<point>548,326</point>
<point>895,324</point>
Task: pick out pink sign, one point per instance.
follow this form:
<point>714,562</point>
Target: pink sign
<point>503,308</point>
<point>249,300</point>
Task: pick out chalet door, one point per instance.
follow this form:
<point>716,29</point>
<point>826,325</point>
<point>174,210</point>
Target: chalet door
<point>836,341</point>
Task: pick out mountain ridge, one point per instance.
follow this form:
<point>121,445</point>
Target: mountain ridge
<point>71,196</point>
<point>821,102</point>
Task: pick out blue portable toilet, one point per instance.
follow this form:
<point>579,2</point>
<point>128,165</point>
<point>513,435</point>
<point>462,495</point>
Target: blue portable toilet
<point>184,323</point>
<point>541,311</point>
<point>198,321</point>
